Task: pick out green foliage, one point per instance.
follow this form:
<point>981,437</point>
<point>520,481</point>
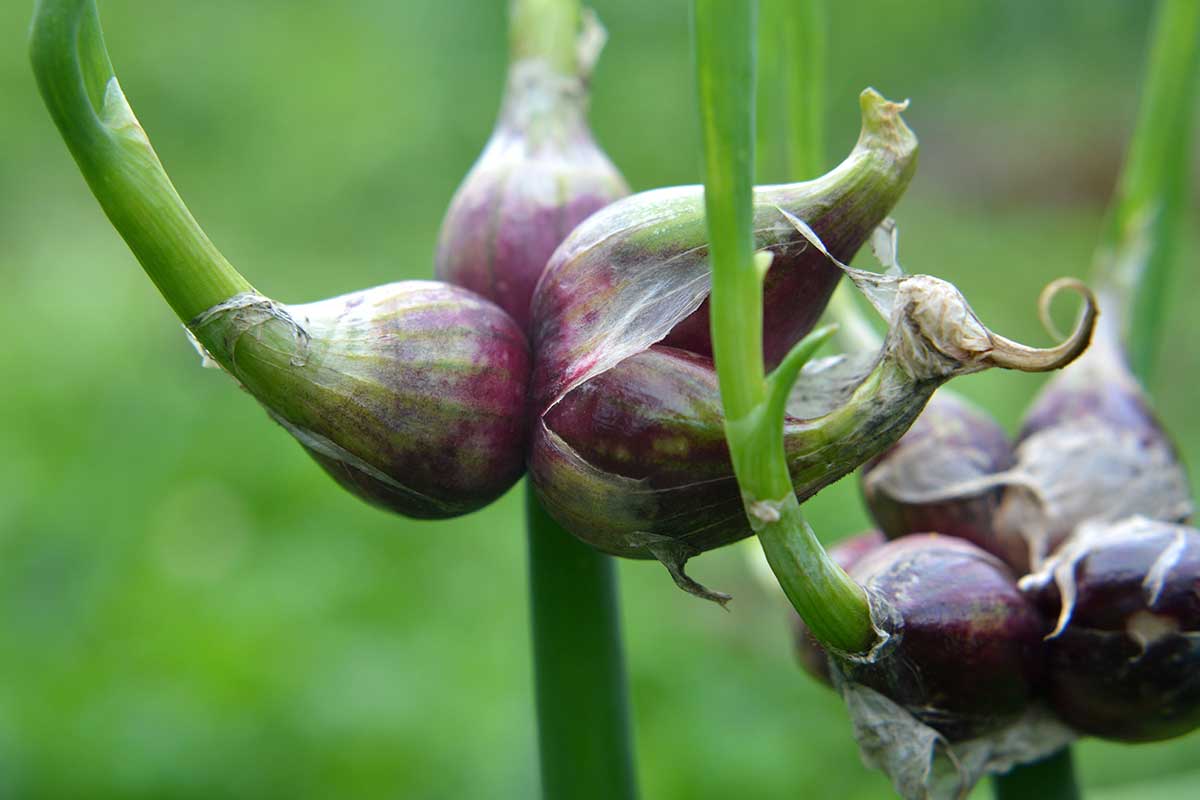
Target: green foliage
<point>190,608</point>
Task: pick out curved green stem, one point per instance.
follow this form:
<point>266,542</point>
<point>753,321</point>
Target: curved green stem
<point>1141,237</point>
<point>583,717</point>
<point>834,606</point>
<point>81,91</point>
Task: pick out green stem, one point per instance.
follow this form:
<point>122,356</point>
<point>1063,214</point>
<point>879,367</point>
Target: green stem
<point>725,65</point>
<point>583,718</point>
<point>1052,778</point>
<point>81,91</point>
<point>790,142</point>
<point>806,33</point>
<point>1141,236</point>
<point>834,606</point>
<point>547,30</point>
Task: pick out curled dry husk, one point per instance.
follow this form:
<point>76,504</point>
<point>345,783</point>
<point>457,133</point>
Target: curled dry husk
<point>411,395</point>
<point>540,174</point>
<point>1124,656</point>
<point>628,451</point>
<point>929,480</point>
<point>951,697</point>
<point>1091,449</point>
<point>923,764</point>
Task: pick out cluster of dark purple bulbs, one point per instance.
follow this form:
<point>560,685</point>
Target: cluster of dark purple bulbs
<point>1016,582</point>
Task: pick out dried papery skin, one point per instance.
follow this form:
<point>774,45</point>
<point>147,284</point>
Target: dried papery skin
<point>928,481</point>
<point>540,174</point>
<point>411,395</point>
<point>967,655</point>
<point>634,461</point>
<point>637,273</point>
<point>1124,657</point>
<point>1091,449</point>
<point>924,765</point>
<point>809,652</point>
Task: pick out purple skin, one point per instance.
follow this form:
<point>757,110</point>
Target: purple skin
<point>951,442</point>
<point>508,217</point>
<point>652,424</point>
<point>411,395</point>
<point>809,652</point>
<point>797,271</point>
<point>1094,450</point>
<point>636,273</point>
<point>969,654</point>
<point>1099,386</point>
<point>540,174</point>
<point>636,458</point>
<point>1123,667</point>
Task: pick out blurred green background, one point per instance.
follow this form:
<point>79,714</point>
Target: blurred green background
<point>189,608</point>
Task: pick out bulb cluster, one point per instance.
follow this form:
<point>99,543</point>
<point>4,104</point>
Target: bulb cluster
<point>572,335</point>
<point>1055,570</point>
<point>569,336</point>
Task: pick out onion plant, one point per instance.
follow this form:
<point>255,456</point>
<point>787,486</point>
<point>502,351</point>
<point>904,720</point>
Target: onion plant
<point>649,359</point>
<point>891,631</point>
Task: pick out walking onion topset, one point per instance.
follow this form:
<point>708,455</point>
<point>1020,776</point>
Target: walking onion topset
<point>575,333</point>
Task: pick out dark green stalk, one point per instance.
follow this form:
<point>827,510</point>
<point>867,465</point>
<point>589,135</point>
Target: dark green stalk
<point>1141,238</point>
<point>583,718</point>
<point>584,739</point>
<point>834,606</point>
<point>81,91</point>
<point>1052,778</point>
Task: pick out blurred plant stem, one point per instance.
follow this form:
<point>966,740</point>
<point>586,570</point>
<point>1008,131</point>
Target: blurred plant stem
<point>832,605</point>
<point>583,718</point>
<point>792,54</point>
<point>1140,240</point>
<point>1052,778</point>
<point>584,739</point>
<point>77,82</point>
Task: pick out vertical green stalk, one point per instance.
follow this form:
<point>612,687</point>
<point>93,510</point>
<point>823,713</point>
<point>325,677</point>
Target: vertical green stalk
<point>832,605</point>
<point>584,739</point>
<point>80,89</point>
<point>793,51</point>
<point>806,31</point>
<point>792,54</point>
<point>1052,778</point>
<point>583,718</point>
<point>1141,238</point>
